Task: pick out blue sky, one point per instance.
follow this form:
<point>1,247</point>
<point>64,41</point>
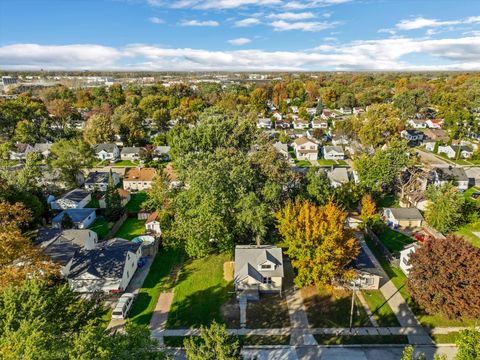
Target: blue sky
<point>240,34</point>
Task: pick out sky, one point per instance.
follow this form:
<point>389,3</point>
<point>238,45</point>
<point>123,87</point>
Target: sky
<point>240,35</point>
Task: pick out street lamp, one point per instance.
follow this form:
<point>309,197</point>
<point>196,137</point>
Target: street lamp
<point>355,283</point>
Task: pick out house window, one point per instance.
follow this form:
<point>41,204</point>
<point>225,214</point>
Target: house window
<point>405,260</point>
<point>267,280</point>
<point>266,267</point>
<point>369,281</point>
<point>128,274</point>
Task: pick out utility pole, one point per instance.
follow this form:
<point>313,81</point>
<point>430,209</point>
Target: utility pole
<point>351,308</point>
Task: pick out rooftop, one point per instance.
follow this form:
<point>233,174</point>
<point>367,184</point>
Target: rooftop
<point>139,174</point>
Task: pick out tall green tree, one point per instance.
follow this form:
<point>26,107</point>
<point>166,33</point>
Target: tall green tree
<point>444,209</point>
<point>113,201</point>
<point>98,129</point>
<point>468,344</point>
<point>214,343</point>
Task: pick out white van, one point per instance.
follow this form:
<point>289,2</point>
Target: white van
<point>123,306</point>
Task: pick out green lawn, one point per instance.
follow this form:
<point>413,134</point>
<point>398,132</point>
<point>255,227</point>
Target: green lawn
<point>200,292</point>
<point>271,311</point>
<point>131,228</point>
<point>94,202</point>
<point>467,232</point>
<point>135,203</point>
<point>445,338</point>
<point>387,201</point>
<point>399,279</point>
<point>302,163</point>
<point>380,309</point>
<point>394,240</point>
<point>360,339</point>
<point>125,163</point>
<point>156,281</point>
<point>101,227</point>
<point>327,308</point>
<point>325,162</point>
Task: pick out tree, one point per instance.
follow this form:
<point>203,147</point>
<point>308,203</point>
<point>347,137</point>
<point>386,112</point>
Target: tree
<point>410,102</point>
<point>319,108</point>
<point>378,123</point>
<point>468,344</point>
<point>317,242</point>
<point>381,170</point>
<point>444,277</point>
<point>128,122</point>
<point>63,113</point>
<point>67,222</point>
<point>258,99</point>
<point>346,100</point>
<point>19,259</point>
<point>115,95</point>
<point>409,354</point>
<point>214,343</point>
<point>368,213</point>
<point>26,132</point>
<point>69,157</point>
<point>318,187</point>
<point>113,201</point>
<point>98,129</point>
<point>444,209</point>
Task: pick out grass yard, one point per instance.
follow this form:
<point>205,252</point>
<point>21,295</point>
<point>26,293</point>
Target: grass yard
<point>360,339</point>
<point>101,226</point>
<point>136,201</point>
<point>325,162</point>
<point>200,293</point>
<point>394,240</point>
<point>302,163</point>
<point>125,163</point>
<point>156,281</point>
<point>389,201</point>
<point>399,279</point>
<point>380,309</point>
<point>131,228</point>
<point>271,311</point>
<point>467,231</point>
<point>327,308</point>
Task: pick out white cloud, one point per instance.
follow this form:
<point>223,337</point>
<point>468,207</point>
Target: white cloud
<point>292,16</point>
<point>282,25</point>
<point>239,41</point>
<point>211,4</point>
<point>421,22</point>
<point>199,23</point>
<point>385,54</point>
<point>309,4</point>
<point>247,22</point>
<point>156,20</point>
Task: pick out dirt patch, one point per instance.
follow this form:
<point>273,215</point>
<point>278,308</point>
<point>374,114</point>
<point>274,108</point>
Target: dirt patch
<point>271,311</point>
<point>228,270</point>
<point>231,313</point>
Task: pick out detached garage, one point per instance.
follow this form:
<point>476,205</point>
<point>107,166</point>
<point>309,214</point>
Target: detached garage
<point>403,217</point>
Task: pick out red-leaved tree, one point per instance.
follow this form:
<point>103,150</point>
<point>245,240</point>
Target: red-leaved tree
<point>445,277</point>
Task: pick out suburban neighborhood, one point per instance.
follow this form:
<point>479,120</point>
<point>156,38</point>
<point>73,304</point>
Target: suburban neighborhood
<point>272,212</point>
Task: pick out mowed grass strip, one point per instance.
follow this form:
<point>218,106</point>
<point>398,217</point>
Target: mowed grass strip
<point>156,281</point>
<point>200,292</point>
<point>136,201</point>
<point>382,312</point>
<point>394,240</point>
<point>360,339</point>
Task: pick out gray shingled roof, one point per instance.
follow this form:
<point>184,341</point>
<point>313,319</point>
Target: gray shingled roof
<point>106,147</point>
<point>451,174</point>
<point>77,215</point>
<point>107,261</point>
<point>97,177</point>
<point>406,213</point>
<point>131,150</point>
<point>76,195</point>
<point>248,258</point>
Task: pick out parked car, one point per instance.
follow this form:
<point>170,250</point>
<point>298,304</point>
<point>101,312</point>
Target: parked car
<point>123,306</point>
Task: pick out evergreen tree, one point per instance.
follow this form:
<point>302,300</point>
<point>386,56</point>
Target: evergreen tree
<point>113,201</point>
<point>67,222</point>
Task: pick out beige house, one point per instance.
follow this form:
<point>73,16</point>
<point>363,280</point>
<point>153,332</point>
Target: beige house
<point>138,179</point>
<point>258,269</point>
<point>403,217</point>
<point>305,149</point>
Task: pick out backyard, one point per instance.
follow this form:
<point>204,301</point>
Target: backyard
<point>131,228</point>
<point>136,201</point>
<point>157,280</point>
<point>200,292</point>
<point>380,309</point>
<point>394,240</point>
<point>101,226</point>
<point>325,162</point>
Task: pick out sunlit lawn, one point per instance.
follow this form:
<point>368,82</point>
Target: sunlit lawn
<point>131,228</point>
<point>394,240</point>
<point>135,203</point>
<point>380,309</point>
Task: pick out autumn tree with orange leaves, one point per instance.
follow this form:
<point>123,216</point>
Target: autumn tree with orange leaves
<point>19,258</point>
<point>368,213</point>
<point>319,246</point>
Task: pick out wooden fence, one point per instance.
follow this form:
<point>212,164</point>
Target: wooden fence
<point>379,244</point>
<point>116,226</point>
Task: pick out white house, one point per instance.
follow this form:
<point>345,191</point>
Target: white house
<point>20,151</point>
<point>258,269</point>
<point>75,199</point>
<point>435,123</point>
<point>417,123</point>
<point>411,135</point>
<point>162,152</point>
<point>333,153</point>
<point>98,180</point>
<point>464,151</point>
<point>294,109</point>
<point>277,116</point>
<point>282,149</point>
<point>327,114</point>
<point>358,110</point>
<point>107,151</point>
<point>403,217</point>
<point>405,257</point>
<point>300,124</point>
<point>82,218</point>
<point>318,123</point>
<point>152,224</point>
<point>131,153</point>
<point>338,140</point>
<point>43,149</point>
<point>455,175</point>
<point>338,176</point>
<point>264,123</point>
<point>305,149</point>
<point>109,268</point>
